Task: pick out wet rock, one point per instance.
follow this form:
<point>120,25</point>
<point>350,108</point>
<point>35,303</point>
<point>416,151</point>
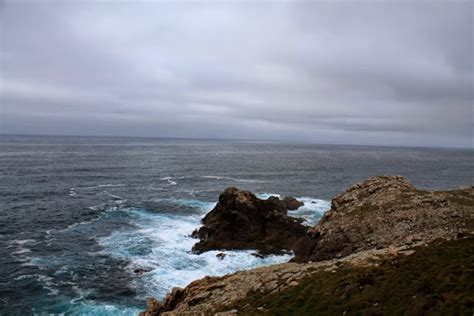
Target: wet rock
<point>292,203</point>
<point>140,271</point>
<point>240,220</point>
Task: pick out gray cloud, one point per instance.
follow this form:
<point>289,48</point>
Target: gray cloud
<point>368,72</point>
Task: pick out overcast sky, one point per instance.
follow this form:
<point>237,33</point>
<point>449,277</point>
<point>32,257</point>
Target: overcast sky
<point>361,72</point>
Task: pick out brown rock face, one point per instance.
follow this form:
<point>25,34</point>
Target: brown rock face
<point>154,308</point>
<point>384,211</point>
<point>242,221</point>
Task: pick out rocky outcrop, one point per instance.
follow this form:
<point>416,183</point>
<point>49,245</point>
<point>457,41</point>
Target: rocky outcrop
<point>240,220</point>
<point>383,211</point>
<point>291,203</point>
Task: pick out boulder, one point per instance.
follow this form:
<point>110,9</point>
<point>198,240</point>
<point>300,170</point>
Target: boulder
<point>291,203</point>
<point>240,220</point>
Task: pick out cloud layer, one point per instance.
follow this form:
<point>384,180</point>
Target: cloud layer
<point>359,73</point>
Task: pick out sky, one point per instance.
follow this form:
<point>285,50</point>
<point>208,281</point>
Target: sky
<point>347,72</point>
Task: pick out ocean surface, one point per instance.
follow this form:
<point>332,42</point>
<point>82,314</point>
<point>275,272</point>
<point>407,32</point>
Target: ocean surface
<point>78,215</point>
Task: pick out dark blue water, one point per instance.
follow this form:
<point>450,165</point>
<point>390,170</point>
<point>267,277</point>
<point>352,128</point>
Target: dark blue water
<point>78,215</point>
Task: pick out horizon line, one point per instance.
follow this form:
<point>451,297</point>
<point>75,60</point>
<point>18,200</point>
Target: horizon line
<point>278,141</point>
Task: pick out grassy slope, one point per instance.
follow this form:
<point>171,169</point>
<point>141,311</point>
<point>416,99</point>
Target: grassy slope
<point>436,280</point>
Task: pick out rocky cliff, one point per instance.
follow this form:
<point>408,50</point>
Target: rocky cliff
<point>384,211</point>
<point>373,224</point>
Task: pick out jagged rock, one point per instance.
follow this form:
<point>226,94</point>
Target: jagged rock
<point>154,308</point>
<point>386,210</point>
<point>240,220</point>
<point>221,255</point>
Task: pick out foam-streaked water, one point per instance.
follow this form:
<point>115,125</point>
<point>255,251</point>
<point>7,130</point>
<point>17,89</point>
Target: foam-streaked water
<point>80,215</point>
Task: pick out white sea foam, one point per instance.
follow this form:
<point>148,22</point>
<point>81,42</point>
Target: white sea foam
<point>233,179</point>
<point>21,251</point>
<point>110,185</point>
<point>113,195</point>
<point>45,281</point>
<point>107,185</point>
<point>312,210</point>
<point>21,242</point>
<point>96,309</point>
<point>73,226</point>
<point>162,245</point>
<point>265,196</point>
<point>170,181</point>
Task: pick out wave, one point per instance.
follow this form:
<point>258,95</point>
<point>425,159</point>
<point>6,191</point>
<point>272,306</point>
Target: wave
<point>116,197</point>
<point>161,246</point>
<point>265,196</point>
<point>158,244</point>
<point>87,222</point>
<point>312,210</point>
<point>94,308</point>
<point>233,179</point>
<point>170,181</point>
<point>21,242</point>
<point>107,185</point>
<point>110,185</point>
<point>202,206</point>
<point>21,251</point>
<point>45,281</point>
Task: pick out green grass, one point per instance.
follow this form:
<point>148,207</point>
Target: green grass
<point>436,280</point>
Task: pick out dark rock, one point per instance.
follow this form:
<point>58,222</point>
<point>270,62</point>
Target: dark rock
<point>240,220</point>
<point>292,203</point>
<point>141,270</point>
<point>221,255</point>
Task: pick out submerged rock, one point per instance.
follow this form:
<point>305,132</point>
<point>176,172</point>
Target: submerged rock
<point>140,271</point>
<point>240,220</point>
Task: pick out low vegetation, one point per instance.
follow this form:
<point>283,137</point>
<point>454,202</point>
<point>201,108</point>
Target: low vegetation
<point>435,280</point>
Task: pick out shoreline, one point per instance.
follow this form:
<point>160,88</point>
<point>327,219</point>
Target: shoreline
<point>433,216</point>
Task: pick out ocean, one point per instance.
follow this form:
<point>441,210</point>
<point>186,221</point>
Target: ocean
<point>80,216</point>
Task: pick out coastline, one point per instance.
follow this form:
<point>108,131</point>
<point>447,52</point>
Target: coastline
<point>435,217</point>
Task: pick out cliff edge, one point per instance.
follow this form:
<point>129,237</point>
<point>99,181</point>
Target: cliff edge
<point>384,211</point>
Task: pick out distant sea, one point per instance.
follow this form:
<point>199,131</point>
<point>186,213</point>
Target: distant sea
<point>78,215</point>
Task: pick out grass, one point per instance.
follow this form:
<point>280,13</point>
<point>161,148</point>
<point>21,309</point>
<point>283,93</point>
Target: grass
<point>436,280</point>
